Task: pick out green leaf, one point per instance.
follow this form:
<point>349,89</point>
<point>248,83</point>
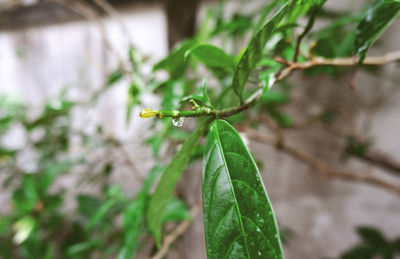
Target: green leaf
<point>396,245</point>
<point>162,194</point>
<point>88,205</point>
<point>254,49</point>
<point>238,217</point>
<point>372,236</point>
<point>274,98</point>
<point>200,96</point>
<point>133,98</point>
<point>134,215</point>
<point>82,247</point>
<point>115,77</point>
<point>360,252</point>
<point>26,196</point>
<point>378,17</point>
<point>176,211</point>
<point>132,227</point>
<point>212,56</point>
<point>23,228</point>
<point>175,63</point>
<point>101,213</point>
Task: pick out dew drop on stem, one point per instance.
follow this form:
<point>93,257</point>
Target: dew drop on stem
<point>178,122</point>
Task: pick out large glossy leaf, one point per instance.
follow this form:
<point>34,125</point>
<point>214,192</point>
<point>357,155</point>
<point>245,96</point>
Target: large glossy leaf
<point>254,49</point>
<point>238,218</point>
<point>378,17</point>
<point>169,179</point>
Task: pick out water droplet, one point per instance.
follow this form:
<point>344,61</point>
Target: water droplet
<point>178,122</point>
<point>258,229</point>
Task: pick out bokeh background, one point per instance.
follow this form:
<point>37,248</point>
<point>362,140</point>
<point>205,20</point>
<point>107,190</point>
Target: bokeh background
<point>48,48</point>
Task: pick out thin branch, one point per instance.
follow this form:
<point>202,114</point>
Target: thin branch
<point>307,29</point>
<point>319,61</point>
<point>321,166</point>
<point>177,232</point>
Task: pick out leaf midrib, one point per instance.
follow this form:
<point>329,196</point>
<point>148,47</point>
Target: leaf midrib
<point>221,149</point>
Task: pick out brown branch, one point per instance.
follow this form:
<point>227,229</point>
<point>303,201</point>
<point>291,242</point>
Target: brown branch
<point>177,232</point>
<point>321,166</point>
<point>319,61</point>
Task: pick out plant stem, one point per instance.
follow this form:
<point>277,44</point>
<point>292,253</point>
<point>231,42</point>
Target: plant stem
<point>290,67</point>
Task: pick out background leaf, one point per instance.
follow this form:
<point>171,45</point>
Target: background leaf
<point>212,56</point>
<point>169,179</point>
<point>254,49</point>
<point>378,17</point>
<point>238,218</point>
<point>115,77</point>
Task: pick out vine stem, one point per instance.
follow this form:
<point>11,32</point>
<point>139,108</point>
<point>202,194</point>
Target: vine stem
<point>285,72</point>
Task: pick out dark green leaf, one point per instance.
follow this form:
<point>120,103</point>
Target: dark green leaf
<point>115,77</point>
<point>360,252</point>
<point>88,205</point>
<point>371,236</point>
<point>169,179</point>
<point>254,49</point>
<point>396,245</point>
<point>212,56</point>
<point>378,17</point>
<point>238,218</point>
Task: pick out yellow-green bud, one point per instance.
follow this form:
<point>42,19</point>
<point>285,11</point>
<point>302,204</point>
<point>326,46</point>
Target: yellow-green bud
<point>147,113</point>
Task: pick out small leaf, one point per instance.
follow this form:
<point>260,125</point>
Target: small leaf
<point>175,63</point>
<point>396,245</point>
<point>360,252</point>
<point>88,205</point>
<point>134,217</point>
<point>238,217</point>
<point>212,56</point>
<point>176,211</point>
<point>115,77</point>
<point>372,236</point>
<point>133,98</point>
<point>378,17</point>
<point>200,96</point>
<point>168,181</point>
<point>274,98</point>
<point>23,228</point>
<point>254,49</point>
<point>100,213</point>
